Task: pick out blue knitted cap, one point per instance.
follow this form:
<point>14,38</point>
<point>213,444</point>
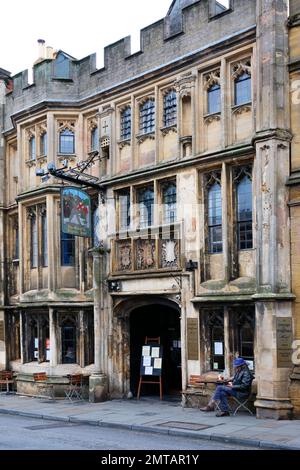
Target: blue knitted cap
<point>239,362</point>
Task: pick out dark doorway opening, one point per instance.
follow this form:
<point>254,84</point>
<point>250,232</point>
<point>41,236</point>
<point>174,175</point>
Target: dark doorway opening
<point>156,321</point>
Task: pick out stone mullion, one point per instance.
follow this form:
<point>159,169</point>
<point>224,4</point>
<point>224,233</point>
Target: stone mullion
<point>53,333</point>
<point>225,190</point>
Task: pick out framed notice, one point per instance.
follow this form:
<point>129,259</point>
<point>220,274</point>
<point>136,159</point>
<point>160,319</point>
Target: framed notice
<point>151,363</point>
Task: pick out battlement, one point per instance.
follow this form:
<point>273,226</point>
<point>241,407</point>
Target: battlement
<point>187,28</point>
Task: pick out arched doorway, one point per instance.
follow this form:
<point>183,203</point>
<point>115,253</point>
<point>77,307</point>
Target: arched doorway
<point>156,320</point>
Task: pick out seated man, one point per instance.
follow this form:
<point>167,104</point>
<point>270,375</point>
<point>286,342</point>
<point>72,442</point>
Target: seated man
<point>239,386</point>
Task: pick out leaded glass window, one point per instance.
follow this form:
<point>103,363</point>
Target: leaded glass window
<point>147,117</point>
<point>170,109</point>
<point>67,242</point>
<point>214,99</point>
<point>66,142</point>
<point>68,342</point>
<point>32,148</point>
<point>169,203</point>
<point>126,123</point>
<point>146,206</point>
<point>43,144</point>
<point>215,218</point>
<point>244,214</point>
<point>124,209</point>
<point>44,240</point>
<point>243,89</point>
<point>33,242</point>
<point>94,139</point>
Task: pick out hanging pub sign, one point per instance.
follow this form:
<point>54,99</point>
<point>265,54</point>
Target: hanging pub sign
<point>76,212</point>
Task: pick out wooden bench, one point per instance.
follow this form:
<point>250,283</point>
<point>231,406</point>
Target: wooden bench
<point>7,379</point>
<point>195,389</point>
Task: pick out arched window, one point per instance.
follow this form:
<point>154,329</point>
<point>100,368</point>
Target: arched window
<point>169,203</point>
<point>243,89</point>
<point>67,243</point>
<point>215,218</point>
<point>68,342</point>
<point>147,117</point>
<point>66,142</point>
<point>33,242</point>
<point>146,202</point>
<point>61,67</point>
<point>214,99</point>
<point>244,213</point>
<point>126,123</point>
<point>170,109</point>
<point>43,144</point>
<point>32,148</point>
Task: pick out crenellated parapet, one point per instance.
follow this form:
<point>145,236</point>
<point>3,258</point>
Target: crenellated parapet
<point>187,30</point>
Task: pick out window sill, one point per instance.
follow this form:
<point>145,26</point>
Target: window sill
<point>168,129</point>
<point>142,137</point>
<point>240,108</point>
<point>15,261</point>
<point>123,143</point>
<point>210,117</point>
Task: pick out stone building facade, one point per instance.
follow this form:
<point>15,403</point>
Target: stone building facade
<point>192,242</point>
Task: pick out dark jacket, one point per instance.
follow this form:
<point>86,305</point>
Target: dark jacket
<point>242,382</point>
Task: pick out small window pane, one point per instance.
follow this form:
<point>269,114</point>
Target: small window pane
<point>244,214</point>
<point>126,124</point>
<point>243,89</point>
<point>214,99</point>
<point>169,203</point>
<point>66,142</point>
<point>146,202</point>
<point>147,117</point>
<point>43,144</point>
<point>215,219</point>
<point>32,148</point>
<point>94,139</point>
<point>68,343</point>
<point>124,210</point>
<point>44,241</point>
<point>170,109</point>
<point>34,243</point>
<point>67,249</point>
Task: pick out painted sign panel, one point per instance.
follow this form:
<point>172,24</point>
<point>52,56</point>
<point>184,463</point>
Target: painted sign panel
<point>284,333</point>
<point>76,212</point>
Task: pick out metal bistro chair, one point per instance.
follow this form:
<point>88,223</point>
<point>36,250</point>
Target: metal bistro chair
<point>74,391</point>
<point>45,389</point>
<point>240,404</point>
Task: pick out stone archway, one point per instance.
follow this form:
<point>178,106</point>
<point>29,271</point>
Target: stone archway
<point>124,344</point>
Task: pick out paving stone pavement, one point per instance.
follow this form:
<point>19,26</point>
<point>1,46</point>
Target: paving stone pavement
<point>152,415</point>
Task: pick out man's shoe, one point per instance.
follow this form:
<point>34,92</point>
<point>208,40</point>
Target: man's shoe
<point>220,414</point>
<point>207,408</point>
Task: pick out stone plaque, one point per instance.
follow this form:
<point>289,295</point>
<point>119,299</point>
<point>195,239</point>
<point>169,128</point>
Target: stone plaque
<point>192,339</point>
<point>1,330</point>
<point>284,334</point>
